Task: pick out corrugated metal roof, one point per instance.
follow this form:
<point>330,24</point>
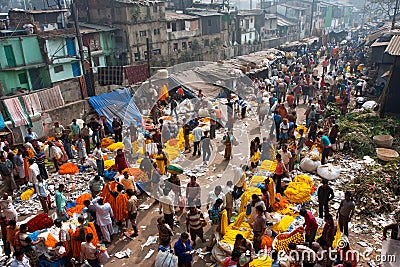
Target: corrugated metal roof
<point>394,46</point>
<point>171,16</point>
<point>376,44</point>
<point>90,28</point>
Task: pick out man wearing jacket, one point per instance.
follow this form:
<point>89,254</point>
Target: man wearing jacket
<point>183,250</point>
<point>325,194</point>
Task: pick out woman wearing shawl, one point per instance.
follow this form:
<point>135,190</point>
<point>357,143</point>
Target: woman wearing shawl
<point>118,203</point>
<point>227,141</point>
<point>120,161</point>
<point>79,236</point>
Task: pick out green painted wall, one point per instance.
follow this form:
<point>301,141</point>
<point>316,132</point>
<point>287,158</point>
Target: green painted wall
<point>328,17</point>
<point>347,14</point>
<point>25,49</point>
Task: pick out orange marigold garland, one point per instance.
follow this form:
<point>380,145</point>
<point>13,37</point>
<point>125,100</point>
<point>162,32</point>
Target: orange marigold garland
<point>68,168</point>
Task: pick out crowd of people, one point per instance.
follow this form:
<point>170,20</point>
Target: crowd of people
<point>293,85</point>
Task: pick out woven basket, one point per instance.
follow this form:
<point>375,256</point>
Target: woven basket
<point>383,140</point>
<point>386,154</point>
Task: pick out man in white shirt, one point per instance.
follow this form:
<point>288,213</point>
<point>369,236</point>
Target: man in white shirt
<point>98,155</point>
<point>197,134</point>
<point>43,193</point>
<point>214,195</point>
<point>166,206</point>
<point>104,215</point>
<point>33,171</point>
<point>286,156</point>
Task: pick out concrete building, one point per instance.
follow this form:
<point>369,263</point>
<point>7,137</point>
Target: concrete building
<point>249,26</point>
<point>22,67</point>
<point>172,36</point>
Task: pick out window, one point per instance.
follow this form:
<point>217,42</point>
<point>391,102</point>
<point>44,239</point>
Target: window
<point>175,47</point>
<point>250,37</point>
<point>190,44</point>
<point>8,50</point>
<point>96,61</point>
<point>22,78</point>
<point>142,33</point>
<point>184,45</point>
<point>157,52</point>
<point>209,23</point>
<point>155,31</point>
<point>270,23</point>
<point>118,39</point>
<point>206,42</point>
<point>137,56</point>
<point>98,11</point>
<point>155,8</point>
<point>251,20</point>
<point>58,69</point>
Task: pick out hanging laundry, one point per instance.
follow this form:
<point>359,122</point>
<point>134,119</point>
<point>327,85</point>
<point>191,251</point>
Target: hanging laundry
<point>16,111</point>
<point>32,103</point>
<point>51,98</point>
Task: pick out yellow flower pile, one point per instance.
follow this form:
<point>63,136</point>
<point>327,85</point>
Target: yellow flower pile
<point>247,196</point>
<point>268,165</point>
<point>302,178</point>
<point>255,157</point>
<point>224,222</point>
<point>282,241</point>
<point>263,261</point>
<point>231,232</point>
<point>257,179</point>
<point>298,192</point>
<point>283,225</point>
<point>181,139</point>
<point>116,146</point>
<point>105,142</point>
<point>287,211</point>
<point>108,164</point>
<point>27,194</point>
<point>172,151</point>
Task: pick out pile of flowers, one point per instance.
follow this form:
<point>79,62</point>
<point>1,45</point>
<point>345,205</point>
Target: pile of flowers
<point>26,195</point>
<point>39,222</point>
<point>116,146</point>
<point>137,173</point>
<point>68,168</point>
<point>108,164</point>
<point>106,142</point>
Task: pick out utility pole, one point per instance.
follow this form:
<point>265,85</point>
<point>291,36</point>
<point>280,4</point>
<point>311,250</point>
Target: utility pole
<point>148,55</point>
<point>80,45</point>
<point>395,14</point>
<point>312,17</point>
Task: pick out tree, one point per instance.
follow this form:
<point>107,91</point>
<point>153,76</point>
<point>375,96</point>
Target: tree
<point>383,7</point>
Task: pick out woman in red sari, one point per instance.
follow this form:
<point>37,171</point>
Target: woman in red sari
<point>120,161</point>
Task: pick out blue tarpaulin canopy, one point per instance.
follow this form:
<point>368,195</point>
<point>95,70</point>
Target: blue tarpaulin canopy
<point>2,123</point>
<point>118,104</point>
